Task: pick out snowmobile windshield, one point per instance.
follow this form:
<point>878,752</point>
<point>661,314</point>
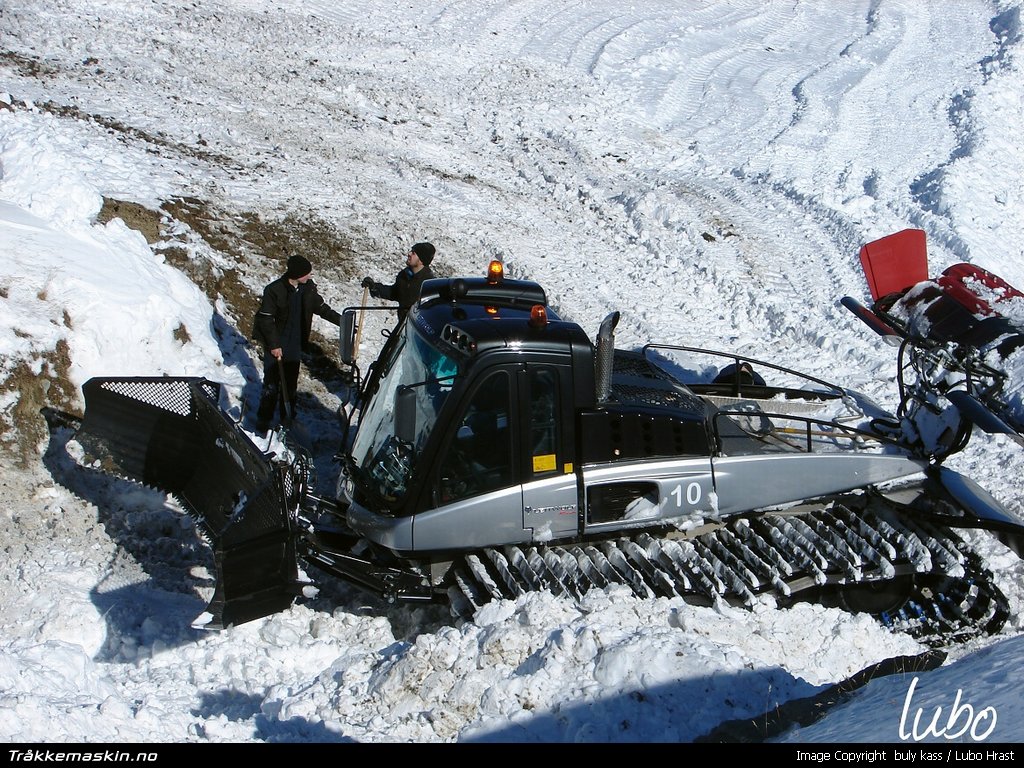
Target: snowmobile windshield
<point>384,463</point>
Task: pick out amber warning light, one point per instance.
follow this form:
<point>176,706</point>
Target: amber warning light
<point>495,272</point>
<point>538,316</point>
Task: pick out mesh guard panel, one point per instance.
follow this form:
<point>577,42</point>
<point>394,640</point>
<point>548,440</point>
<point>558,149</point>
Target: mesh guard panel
<point>170,433</point>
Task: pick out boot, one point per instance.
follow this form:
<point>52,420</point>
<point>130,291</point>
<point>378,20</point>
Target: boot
<point>265,412</point>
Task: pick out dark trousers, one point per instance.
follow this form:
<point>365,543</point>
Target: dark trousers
<point>271,397</point>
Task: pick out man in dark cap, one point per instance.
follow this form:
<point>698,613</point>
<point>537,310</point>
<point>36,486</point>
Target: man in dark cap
<point>282,325</point>
<point>406,288</point>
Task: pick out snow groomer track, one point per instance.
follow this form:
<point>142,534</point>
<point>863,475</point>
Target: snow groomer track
<point>936,587</point>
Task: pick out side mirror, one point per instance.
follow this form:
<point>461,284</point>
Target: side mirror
<point>405,414</point>
<point>347,337</point>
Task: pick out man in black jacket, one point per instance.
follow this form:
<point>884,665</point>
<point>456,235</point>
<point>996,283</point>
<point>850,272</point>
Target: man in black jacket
<point>406,288</point>
<point>283,323</point>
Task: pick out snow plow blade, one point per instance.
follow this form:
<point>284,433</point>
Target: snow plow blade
<point>171,434</point>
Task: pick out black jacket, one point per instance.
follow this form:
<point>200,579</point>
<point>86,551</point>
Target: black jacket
<point>405,290</point>
<point>271,317</point>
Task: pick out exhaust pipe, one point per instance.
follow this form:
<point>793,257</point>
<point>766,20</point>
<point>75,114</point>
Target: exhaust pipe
<point>605,356</point>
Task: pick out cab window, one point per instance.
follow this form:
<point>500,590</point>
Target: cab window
<point>479,454</point>
<point>544,438</point>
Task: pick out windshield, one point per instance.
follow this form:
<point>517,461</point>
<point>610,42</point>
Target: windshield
<point>384,463</point>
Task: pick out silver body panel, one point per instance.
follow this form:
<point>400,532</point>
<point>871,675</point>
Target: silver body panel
<point>682,493</point>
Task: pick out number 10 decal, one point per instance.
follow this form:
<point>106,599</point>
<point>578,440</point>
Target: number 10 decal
<point>693,494</point>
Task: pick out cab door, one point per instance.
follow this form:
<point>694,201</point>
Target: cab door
<point>505,472</point>
<point>475,489</point>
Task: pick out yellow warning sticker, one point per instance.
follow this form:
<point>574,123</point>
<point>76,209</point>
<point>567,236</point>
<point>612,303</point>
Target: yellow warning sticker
<point>544,463</point>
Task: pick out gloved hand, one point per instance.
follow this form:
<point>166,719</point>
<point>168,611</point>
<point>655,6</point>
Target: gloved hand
<point>367,282</point>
